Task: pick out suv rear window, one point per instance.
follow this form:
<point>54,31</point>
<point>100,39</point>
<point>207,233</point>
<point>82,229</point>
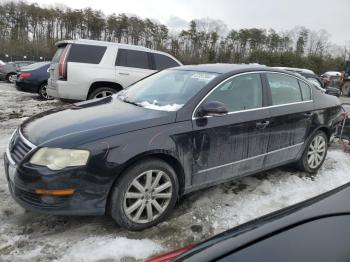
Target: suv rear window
<point>164,62</point>
<point>133,58</point>
<point>57,55</point>
<point>91,54</point>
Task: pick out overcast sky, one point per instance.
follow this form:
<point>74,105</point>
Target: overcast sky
<point>333,16</point>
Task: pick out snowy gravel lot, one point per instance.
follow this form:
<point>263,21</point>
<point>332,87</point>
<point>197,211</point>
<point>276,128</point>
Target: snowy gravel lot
<point>25,236</point>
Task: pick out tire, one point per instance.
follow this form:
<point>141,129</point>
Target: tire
<point>101,92</point>
<point>312,160</point>
<point>42,92</point>
<point>139,211</point>
<point>10,78</point>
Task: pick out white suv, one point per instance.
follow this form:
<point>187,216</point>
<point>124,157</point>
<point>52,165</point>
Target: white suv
<point>87,69</point>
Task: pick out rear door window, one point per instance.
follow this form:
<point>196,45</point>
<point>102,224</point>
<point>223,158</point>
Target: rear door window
<point>305,91</point>
<point>133,58</point>
<point>163,62</point>
<point>90,54</point>
<point>284,89</point>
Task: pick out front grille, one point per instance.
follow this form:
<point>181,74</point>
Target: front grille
<point>18,148</point>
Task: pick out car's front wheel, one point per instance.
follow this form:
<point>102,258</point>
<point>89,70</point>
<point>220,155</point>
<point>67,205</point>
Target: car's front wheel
<point>314,153</point>
<point>145,195</point>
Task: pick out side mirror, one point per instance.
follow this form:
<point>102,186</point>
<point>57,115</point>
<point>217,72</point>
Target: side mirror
<point>212,108</point>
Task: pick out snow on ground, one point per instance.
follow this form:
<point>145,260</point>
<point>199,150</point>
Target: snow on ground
<point>26,236</point>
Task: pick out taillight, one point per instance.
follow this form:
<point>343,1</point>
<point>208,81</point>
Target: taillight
<point>168,257</point>
<point>24,75</point>
<point>62,64</point>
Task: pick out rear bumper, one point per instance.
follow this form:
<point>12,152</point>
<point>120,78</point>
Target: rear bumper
<point>65,90</point>
<point>2,76</point>
<point>26,86</point>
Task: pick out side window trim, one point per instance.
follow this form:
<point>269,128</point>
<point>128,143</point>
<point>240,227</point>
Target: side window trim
<point>269,89</point>
<point>299,80</point>
<point>267,97</point>
<point>229,79</point>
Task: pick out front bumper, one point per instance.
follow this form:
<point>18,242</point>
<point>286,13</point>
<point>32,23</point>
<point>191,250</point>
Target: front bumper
<point>22,188</point>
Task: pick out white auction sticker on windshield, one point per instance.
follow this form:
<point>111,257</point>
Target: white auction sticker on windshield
<point>203,76</point>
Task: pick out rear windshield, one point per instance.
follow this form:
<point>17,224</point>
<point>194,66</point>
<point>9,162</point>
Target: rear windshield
<point>57,55</point>
<point>91,54</point>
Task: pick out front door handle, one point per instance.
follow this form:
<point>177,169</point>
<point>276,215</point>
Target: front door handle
<point>308,114</point>
<point>263,124</point>
<point>124,74</point>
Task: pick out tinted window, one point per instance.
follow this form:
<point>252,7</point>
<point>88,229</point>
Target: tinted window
<point>164,62</point>
<point>240,93</point>
<point>284,89</point>
<point>57,55</point>
<point>90,54</point>
<point>305,91</point>
<point>133,58</point>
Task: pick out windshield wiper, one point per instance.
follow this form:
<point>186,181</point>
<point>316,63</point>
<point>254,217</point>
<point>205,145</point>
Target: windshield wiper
<point>130,102</point>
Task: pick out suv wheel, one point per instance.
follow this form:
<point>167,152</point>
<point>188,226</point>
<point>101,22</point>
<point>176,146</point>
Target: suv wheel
<point>145,195</point>
<point>11,78</point>
<point>43,92</point>
<point>315,153</point>
<point>102,92</point>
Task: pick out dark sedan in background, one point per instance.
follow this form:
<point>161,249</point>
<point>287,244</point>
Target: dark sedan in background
<point>179,130</point>
<point>314,230</point>
<point>9,71</point>
<point>33,79</point>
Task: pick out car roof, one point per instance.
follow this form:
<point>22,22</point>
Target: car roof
<point>294,69</point>
<point>228,68</point>
<point>103,43</point>
<point>331,203</point>
<point>332,73</point>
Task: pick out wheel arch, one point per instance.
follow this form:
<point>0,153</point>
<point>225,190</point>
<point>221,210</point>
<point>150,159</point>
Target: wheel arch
<point>97,84</point>
<point>40,84</point>
<point>162,155</point>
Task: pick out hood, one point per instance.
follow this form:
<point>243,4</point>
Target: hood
<point>91,120</point>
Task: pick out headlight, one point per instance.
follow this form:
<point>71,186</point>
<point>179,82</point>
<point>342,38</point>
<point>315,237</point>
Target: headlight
<point>58,158</point>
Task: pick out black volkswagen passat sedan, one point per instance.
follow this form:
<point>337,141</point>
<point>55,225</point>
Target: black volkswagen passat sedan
<point>314,230</point>
<point>133,154</point>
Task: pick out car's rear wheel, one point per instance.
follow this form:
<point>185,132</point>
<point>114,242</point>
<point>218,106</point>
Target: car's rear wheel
<point>43,92</point>
<point>314,153</point>
<point>145,195</point>
<point>11,78</point>
<point>102,92</point>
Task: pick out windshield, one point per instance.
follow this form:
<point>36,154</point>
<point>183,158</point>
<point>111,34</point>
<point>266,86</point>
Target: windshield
<point>167,90</point>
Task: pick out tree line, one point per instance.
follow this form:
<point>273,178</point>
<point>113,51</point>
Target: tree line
<point>31,30</point>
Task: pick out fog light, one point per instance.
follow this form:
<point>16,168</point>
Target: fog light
<point>63,192</point>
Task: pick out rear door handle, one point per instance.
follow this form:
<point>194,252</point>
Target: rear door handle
<point>124,74</point>
<point>262,124</point>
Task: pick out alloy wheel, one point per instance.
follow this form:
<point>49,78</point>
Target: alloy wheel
<point>317,151</point>
<point>103,94</point>
<point>148,196</point>
<point>12,78</point>
<point>43,92</point>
